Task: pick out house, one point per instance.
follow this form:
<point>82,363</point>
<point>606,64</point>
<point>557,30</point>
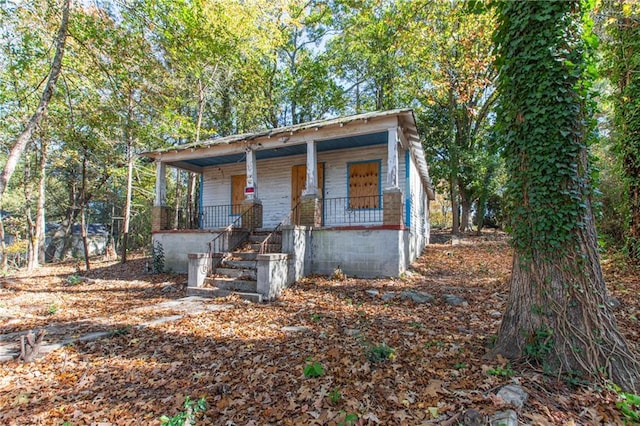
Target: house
<point>349,193</point>
<point>98,236</point>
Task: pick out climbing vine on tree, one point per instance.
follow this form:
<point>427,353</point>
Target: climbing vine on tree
<point>557,288</point>
<point>543,131</point>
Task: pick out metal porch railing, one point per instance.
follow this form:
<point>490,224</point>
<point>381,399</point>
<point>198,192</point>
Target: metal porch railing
<point>349,211</point>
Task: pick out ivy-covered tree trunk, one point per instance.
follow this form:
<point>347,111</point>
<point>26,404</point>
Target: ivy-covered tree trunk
<point>557,314</point>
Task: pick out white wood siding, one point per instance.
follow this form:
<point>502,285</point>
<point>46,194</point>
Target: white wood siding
<point>274,179</point>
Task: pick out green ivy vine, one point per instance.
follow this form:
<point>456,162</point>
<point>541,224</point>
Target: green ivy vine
<point>541,59</point>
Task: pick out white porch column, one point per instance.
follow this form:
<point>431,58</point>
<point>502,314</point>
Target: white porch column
<point>161,184</point>
<point>392,159</point>
<point>252,176</point>
<point>311,186</point>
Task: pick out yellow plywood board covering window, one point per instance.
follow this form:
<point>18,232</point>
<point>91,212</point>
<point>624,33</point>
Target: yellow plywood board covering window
<point>238,183</point>
<point>364,185</point>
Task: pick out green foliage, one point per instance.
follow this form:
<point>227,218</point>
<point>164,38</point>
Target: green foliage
<point>380,353</point>
<point>120,331</point>
<point>74,279</point>
<point>541,59</point>
<point>316,317</point>
<point>350,419</point>
<point>629,406</point>
<point>191,410</point>
<point>52,309</point>
<point>335,395</point>
<point>540,345</point>
<point>313,369</point>
<point>157,256</point>
<point>502,371</point>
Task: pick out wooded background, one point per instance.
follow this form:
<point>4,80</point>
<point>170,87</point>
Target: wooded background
<point>143,74</point>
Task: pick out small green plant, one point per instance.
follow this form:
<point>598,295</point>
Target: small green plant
<point>381,352</point>
<point>335,395</point>
<point>460,365</point>
<point>505,371</point>
<point>540,344</point>
<point>491,341</point>
<point>415,324</point>
<point>313,369</point>
<point>316,317</point>
<point>575,379</point>
<point>628,404</point>
<point>120,331</point>
<point>435,344</point>
<point>52,309</point>
<point>157,254</point>
<point>349,420</point>
<point>74,279</point>
<point>191,409</point>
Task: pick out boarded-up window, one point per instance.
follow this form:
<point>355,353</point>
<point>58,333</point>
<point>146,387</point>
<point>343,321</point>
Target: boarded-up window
<point>238,183</point>
<point>364,185</point>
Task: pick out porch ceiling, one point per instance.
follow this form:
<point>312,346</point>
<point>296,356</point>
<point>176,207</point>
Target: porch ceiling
<point>285,151</point>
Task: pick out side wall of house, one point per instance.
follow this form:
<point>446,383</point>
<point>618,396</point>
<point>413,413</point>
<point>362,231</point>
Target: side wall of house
<point>274,179</point>
<point>416,212</point>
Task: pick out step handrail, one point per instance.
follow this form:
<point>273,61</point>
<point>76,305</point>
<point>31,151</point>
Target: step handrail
<point>223,241</point>
<point>264,245</point>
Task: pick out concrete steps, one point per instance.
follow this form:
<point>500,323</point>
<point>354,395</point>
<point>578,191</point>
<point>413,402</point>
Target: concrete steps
<point>218,292</point>
<point>237,271</point>
<point>234,284</point>
<point>245,274</point>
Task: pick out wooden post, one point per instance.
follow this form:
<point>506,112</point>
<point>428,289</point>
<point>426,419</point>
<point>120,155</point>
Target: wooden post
<point>161,184</point>
<point>311,184</point>
<point>252,176</point>
<point>392,158</point>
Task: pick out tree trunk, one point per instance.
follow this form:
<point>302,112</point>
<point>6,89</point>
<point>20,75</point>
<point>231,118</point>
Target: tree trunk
<point>23,138</point>
<point>176,205</point>
<point>558,315</point>
<point>129,194</point>
<point>3,246</point>
<point>465,204</point>
<point>455,206</point>
<point>40,213</point>
<point>85,241</point>
<point>31,249</point>
<point>127,208</point>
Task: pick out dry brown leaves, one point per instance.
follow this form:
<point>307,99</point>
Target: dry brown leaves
<point>250,371</point>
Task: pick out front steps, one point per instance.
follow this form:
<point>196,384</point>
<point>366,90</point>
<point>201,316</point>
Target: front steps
<point>237,271</point>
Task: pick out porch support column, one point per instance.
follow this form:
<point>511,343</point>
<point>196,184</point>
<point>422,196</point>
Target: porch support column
<point>392,158</point>
<point>310,213</point>
<point>160,211</point>
<point>392,194</point>
<point>252,206</point>
<point>311,186</point>
<point>251,191</point>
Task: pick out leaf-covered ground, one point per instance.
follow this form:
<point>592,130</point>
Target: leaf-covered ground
<point>250,368</point>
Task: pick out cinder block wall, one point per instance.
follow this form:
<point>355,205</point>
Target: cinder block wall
<point>178,245</point>
<point>359,253</point>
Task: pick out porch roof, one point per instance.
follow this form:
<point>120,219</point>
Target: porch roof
<point>330,134</point>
